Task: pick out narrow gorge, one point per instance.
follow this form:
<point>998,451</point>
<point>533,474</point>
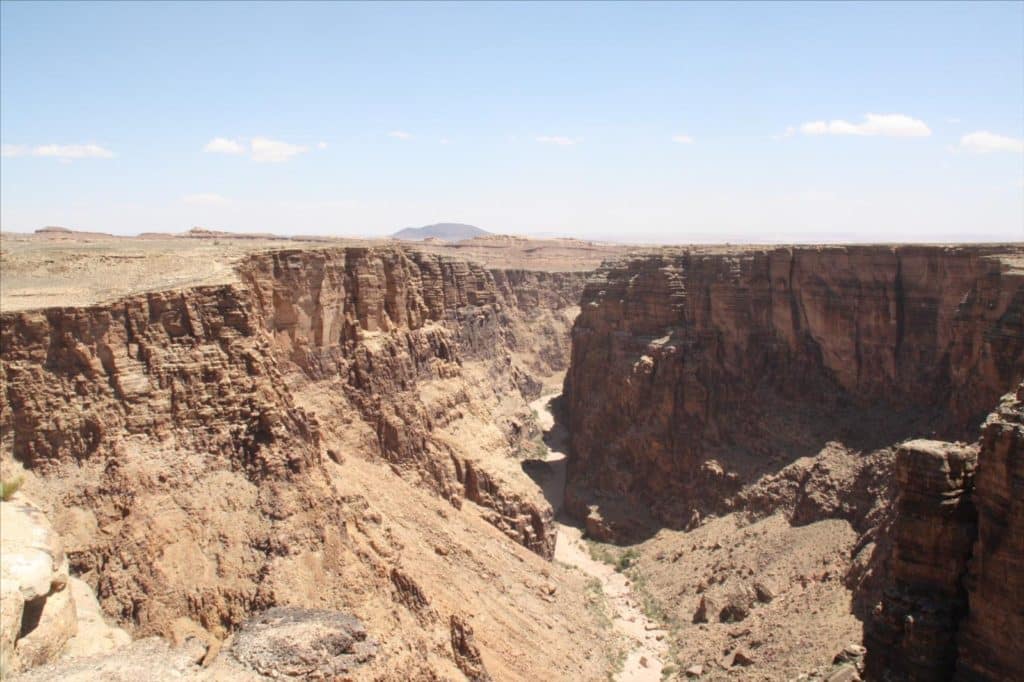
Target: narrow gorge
<point>783,456</point>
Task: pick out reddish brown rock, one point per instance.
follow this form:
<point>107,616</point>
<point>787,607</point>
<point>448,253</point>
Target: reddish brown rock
<point>912,632</point>
<point>180,434</point>
<point>467,655</point>
<point>990,641</point>
<point>695,373</point>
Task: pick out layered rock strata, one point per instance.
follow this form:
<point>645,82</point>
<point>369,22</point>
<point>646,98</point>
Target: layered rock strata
<point>991,647</point>
<point>912,632</point>
<point>695,373</point>
<point>181,436</point>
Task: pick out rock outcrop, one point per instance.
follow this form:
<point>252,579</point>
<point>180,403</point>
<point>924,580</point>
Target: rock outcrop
<point>952,601</point>
<point>185,441</point>
<point>990,644</point>
<point>695,373</point>
<point>911,634</point>
<point>37,613</point>
<point>302,643</point>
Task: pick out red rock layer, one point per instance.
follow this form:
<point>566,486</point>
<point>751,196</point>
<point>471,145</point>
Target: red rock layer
<point>694,373</point>
<point>991,647</point>
<point>911,634</point>
<point>190,366</point>
<point>180,434</point>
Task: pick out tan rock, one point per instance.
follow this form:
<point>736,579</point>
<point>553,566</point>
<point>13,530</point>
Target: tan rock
<point>11,604</point>
<point>94,634</point>
<point>40,618</point>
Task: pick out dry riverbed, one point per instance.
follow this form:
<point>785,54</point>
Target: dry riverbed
<point>647,650</point>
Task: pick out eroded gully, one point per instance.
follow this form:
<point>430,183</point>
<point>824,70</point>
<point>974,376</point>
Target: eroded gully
<point>647,644</point>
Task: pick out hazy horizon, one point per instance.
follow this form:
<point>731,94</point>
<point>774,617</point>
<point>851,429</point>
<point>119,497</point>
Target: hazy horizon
<point>632,123</point>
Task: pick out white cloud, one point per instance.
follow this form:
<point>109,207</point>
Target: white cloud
<point>557,139</point>
<point>886,125</point>
<point>321,145</point>
<point>265,150</point>
<point>400,134</point>
<point>444,140</point>
<point>205,199</point>
<point>983,142</point>
<point>682,139</point>
<point>261,149</point>
<point>222,145</point>
<point>63,152</point>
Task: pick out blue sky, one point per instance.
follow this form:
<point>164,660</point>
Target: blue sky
<point>633,122</point>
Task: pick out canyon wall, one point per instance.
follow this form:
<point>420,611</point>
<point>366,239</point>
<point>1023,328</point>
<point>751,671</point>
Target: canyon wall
<point>184,440</point>
<point>990,644</point>
<point>911,633</point>
<point>694,373</point>
<point>951,605</point>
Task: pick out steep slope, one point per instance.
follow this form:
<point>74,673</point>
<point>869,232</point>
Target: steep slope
<point>210,452</point>
<point>738,422</point>
<point>990,646</point>
<point>952,595</point>
<point>693,374</point>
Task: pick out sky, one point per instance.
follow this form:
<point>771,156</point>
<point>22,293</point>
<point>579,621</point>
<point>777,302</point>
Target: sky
<point>673,123</point>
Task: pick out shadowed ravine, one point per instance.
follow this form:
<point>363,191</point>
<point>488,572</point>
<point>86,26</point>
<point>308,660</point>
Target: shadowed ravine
<point>647,650</point>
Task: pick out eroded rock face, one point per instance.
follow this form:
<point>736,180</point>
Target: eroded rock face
<point>467,655</point>
<point>38,613</point>
<point>990,644</point>
<point>180,436</point>
<point>184,365</point>
<point>912,632</point>
<point>694,374</point>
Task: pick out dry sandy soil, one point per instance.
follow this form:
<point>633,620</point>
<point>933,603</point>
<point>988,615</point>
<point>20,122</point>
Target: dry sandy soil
<point>75,268</point>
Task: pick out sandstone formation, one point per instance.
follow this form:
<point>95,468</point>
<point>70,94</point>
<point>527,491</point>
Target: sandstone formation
<point>201,449</point>
<point>912,631</point>
<point>38,613</point>
<point>951,606</point>
<point>317,466</point>
<point>990,644</point>
<point>693,374</point>
<point>726,409</point>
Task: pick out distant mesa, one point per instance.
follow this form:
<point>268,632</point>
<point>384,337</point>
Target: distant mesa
<point>58,232</point>
<point>450,232</point>
<point>198,232</point>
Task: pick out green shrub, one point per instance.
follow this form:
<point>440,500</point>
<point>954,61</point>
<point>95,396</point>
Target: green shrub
<point>8,488</point>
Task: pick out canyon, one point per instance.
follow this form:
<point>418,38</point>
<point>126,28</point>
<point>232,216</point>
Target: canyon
<point>364,442</point>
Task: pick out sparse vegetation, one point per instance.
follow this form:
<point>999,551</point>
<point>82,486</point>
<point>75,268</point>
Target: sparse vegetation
<point>618,663</point>
<point>602,552</point>
<point>621,559</point>
<point>9,487</point>
<point>532,450</point>
<point>626,560</point>
<point>597,603</point>
<point>652,608</point>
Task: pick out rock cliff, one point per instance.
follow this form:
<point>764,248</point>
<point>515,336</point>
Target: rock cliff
<point>695,373</point>
<point>192,445</point>
<point>912,632</point>
<point>990,644</point>
<point>776,390</point>
<point>953,593</point>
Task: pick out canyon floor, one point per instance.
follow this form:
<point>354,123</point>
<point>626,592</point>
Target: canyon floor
<point>646,648</point>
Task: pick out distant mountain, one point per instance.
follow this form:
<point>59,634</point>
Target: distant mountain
<point>451,232</point>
